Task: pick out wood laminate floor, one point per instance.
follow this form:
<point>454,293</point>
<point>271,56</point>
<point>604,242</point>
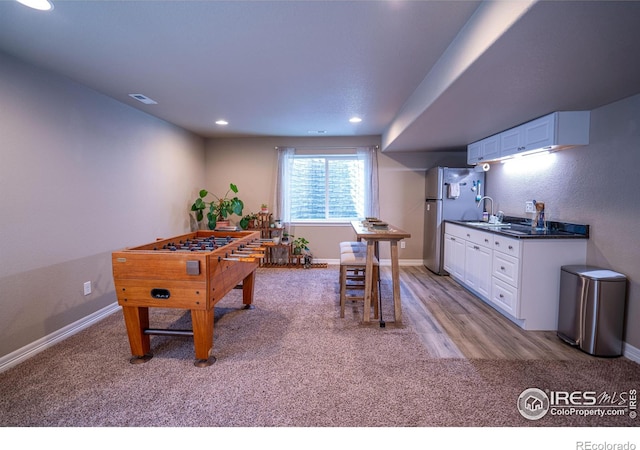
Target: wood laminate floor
<point>453,323</point>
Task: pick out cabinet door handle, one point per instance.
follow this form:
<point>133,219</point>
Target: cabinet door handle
<point>501,296</point>
<point>476,247</point>
<point>468,235</point>
<point>511,247</point>
<point>453,239</point>
<point>487,241</point>
<point>498,243</point>
<point>501,267</point>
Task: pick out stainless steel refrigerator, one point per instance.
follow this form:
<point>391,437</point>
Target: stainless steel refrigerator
<point>450,195</point>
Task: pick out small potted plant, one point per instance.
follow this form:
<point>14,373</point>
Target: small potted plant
<point>248,221</point>
<point>300,245</point>
<point>220,208</point>
<point>264,208</point>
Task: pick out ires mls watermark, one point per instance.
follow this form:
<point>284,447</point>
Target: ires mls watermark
<point>534,403</point>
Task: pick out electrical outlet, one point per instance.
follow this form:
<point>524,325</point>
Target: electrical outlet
<point>87,287</point>
<point>402,244</point>
<point>529,207</point>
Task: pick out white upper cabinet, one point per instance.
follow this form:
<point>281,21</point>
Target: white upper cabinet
<point>537,134</point>
<point>474,155</point>
<point>490,148</point>
<point>550,132</point>
<point>510,141</point>
<point>542,132</point>
<point>484,150</point>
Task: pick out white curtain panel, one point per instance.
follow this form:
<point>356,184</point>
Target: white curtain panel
<point>371,201</point>
<point>282,208</point>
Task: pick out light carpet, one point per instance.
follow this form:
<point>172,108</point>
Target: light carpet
<point>290,362</point>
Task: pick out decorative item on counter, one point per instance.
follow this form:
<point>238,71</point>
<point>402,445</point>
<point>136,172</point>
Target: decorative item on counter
<point>373,223</point>
<point>379,225</point>
<point>264,208</point>
<point>478,185</point>
<point>539,221</point>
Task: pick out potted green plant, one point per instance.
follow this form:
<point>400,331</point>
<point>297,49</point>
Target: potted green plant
<point>220,208</point>
<point>300,245</point>
<point>248,221</point>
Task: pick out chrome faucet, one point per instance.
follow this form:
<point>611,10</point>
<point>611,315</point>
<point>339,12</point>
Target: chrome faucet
<point>488,198</point>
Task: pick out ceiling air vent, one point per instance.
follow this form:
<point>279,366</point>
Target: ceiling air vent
<point>144,99</point>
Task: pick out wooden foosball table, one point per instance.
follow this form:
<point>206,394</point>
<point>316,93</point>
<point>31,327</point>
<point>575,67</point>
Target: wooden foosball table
<point>193,271</point>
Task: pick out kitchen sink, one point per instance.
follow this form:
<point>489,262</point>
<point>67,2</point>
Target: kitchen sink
<point>488,225</point>
<point>509,231</point>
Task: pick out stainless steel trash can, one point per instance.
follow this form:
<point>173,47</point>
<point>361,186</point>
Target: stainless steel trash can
<point>591,309</point>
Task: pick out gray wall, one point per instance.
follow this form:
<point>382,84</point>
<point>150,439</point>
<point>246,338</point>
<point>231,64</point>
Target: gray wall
<point>81,175</point>
<point>594,184</point>
<point>251,164</point>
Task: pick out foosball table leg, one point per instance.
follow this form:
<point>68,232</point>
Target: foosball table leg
<point>247,290</point>
<point>137,321</point>
<point>202,321</point>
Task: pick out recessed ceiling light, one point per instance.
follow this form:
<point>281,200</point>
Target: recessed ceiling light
<point>355,120</point>
<point>222,122</point>
<point>317,132</point>
<point>41,5</point>
<point>144,99</point>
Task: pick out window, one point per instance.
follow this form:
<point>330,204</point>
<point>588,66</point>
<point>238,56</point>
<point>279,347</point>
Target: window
<point>326,188</point>
<point>320,187</point>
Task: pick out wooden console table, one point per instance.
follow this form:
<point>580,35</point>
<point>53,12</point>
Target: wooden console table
<point>373,238</point>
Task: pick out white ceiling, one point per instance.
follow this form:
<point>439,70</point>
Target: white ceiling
<point>285,68</point>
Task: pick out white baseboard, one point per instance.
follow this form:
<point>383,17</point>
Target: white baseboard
<point>631,352</point>
<point>383,262</point>
<point>26,352</point>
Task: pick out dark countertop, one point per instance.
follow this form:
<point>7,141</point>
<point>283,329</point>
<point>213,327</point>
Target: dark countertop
<point>521,228</point>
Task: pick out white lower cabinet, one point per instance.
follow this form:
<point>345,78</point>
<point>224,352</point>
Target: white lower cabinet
<point>454,255</point>
<point>504,296</point>
<point>518,277</point>
<point>504,282</point>
<point>477,268</point>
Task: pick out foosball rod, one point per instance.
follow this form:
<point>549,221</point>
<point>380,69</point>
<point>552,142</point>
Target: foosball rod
<point>164,332</point>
